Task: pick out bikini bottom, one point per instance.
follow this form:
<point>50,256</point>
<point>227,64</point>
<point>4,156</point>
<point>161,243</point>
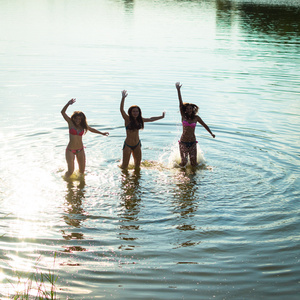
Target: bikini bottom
<point>132,147</point>
<point>188,144</point>
<point>75,151</point>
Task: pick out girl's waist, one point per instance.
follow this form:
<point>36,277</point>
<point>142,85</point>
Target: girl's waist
<point>188,139</point>
<point>132,140</point>
<point>75,146</point>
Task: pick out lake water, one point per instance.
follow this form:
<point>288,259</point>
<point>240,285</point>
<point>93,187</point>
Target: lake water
<point>230,229</point>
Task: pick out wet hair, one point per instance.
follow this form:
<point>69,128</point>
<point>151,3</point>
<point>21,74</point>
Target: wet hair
<point>194,113</point>
<point>83,122</point>
<point>137,123</point>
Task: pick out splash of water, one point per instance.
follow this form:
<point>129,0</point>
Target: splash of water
<point>171,157</point>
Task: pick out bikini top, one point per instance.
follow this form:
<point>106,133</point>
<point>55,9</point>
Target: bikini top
<point>74,131</point>
<point>186,123</point>
<point>129,126</point>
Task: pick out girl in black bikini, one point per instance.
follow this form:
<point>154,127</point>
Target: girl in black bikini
<point>133,123</point>
<point>188,143</point>
<point>77,128</point>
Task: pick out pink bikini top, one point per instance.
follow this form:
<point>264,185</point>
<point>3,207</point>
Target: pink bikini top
<point>74,131</point>
<point>186,123</point>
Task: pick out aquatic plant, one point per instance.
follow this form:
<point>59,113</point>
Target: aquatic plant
<point>36,285</point>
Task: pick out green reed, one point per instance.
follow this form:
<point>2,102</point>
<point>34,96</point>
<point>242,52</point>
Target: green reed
<point>42,285</point>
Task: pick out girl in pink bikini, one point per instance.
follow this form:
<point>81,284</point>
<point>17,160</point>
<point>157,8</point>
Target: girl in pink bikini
<point>188,143</point>
<point>77,128</point>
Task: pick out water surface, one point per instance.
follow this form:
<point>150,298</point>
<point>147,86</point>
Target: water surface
<point>228,230</point>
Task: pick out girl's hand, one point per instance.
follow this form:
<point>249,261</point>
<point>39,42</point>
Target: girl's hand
<point>124,94</point>
<point>105,133</point>
<point>213,135</point>
<point>178,85</point>
<point>163,114</point>
<point>73,100</point>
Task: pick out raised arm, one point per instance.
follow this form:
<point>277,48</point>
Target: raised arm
<point>178,86</point>
<point>63,111</point>
<point>205,126</point>
<point>123,113</point>
<point>152,119</point>
<point>91,129</point>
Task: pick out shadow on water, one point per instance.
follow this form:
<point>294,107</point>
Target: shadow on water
<point>130,206</point>
<point>74,214</point>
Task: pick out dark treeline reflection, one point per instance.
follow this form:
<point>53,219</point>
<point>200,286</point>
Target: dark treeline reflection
<point>281,20</point>
<point>267,18</point>
<point>129,6</point>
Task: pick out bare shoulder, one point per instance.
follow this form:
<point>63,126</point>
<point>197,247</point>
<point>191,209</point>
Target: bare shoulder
<point>69,121</point>
<point>198,119</point>
<point>125,116</point>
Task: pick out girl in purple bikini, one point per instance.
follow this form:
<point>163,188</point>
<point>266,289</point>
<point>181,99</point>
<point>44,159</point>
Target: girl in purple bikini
<point>77,128</point>
<point>188,143</point>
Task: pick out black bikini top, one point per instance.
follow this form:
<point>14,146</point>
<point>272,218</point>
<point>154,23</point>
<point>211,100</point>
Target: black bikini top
<point>131,126</point>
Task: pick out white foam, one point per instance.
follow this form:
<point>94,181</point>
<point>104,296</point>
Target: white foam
<point>171,156</point>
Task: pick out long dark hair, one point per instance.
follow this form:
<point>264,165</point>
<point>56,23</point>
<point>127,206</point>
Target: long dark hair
<point>194,113</point>
<point>83,122</point>
<point>137,123</point>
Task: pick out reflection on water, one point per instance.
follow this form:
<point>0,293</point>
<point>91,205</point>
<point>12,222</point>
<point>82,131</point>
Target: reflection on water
<point>129,5</point>
<point>275,21</point>
<point>129,206</point>
<point>74,214</point>
<point>185,205</point>
<point>281,20</point>
<point>278,20</point>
